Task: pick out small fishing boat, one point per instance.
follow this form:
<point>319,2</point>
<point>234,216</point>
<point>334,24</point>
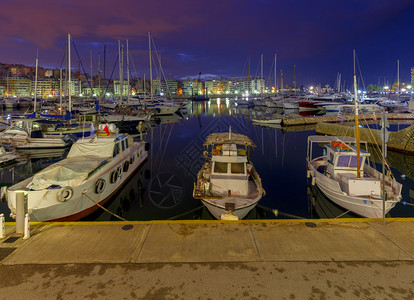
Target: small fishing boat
<point>94,170</point>
<point>344,175</point>
<point>336,175</point>
<point>227,184</point>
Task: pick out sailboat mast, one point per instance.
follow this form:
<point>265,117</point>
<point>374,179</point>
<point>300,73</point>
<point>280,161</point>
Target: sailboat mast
<point>35,89</point>
<point>69,79</point>
<point>261,75</point>
<point>275,75</point>
<point>60,92</point>
<point>150,61</point>
<point>248,77</point>
<point>358,149</point>
<point>398,77</point>
<point>127,53</point>
<point>294,78</point>
<point>91,73</point>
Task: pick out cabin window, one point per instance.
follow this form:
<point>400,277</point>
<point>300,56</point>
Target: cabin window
<point>343,161</point>
<point>237,168</point>
<point>123,145</point>
<point>126,143</point>
<point>36,126</point>
<point>353,163</point>
<point>220,167</point>
<point>116,149</point>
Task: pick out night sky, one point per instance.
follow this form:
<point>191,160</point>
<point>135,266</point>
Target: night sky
<point>215,37</point>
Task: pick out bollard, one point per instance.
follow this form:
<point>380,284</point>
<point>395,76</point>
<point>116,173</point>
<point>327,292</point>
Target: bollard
<point>26,227</point>
<point>20,212</point>
<point>2,229</point>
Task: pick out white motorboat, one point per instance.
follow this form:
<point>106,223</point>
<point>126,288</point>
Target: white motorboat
<point>227,184</point>
<point>335,173</point>
<point>29,134</point>
<point>94,170</point>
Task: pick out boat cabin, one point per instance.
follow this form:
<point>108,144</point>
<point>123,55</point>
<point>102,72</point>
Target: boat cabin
<point>34,128</point>
<point>342,158</point>
<point>230,170</point>
<point>105,147</point>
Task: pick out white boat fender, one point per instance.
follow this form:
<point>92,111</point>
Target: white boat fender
<point>65,194</point>
<point>114,176</point>
<point>313,180</point>
<point>228,217</point>
<point>100,185</point>
<point>308,174</point>
<point>3,193</point>
<point>119,172</point>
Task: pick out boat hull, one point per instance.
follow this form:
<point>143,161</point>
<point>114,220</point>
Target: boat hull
<point>240,212</point>
<point>43,205</point>
<point>363,206</point>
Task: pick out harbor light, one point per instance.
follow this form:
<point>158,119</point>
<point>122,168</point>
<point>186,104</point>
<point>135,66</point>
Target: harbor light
<point>386,87</point>
<point>408,86</point>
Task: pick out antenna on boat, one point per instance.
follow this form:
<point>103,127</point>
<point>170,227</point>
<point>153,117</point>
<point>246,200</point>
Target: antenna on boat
<point>357,123</point>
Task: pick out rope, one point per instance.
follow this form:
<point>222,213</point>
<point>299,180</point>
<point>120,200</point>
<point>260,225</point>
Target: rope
<point>107,210</point>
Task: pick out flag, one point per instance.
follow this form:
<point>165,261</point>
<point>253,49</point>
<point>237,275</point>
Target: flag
<point>106,130</point>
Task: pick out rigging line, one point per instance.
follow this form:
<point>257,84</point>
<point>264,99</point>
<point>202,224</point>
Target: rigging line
<point>84,72</point>
<point>113,70</point>
<point>105,209</point>
<point>360,72</point>
<point>162,70</point>
<point>269,82</point>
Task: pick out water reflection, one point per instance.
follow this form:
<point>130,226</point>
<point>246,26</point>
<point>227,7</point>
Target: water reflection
<point>162,187</point>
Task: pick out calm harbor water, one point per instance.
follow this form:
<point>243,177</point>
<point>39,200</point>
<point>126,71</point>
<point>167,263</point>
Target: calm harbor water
<point>162,187</point>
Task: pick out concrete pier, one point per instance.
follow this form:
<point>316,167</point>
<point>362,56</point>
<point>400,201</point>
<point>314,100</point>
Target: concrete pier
<point>295,120</point>
<point>260,259</point>
<point>401,141</point>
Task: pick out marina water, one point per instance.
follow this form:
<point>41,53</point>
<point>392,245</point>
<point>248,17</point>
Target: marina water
<point>162,188</point>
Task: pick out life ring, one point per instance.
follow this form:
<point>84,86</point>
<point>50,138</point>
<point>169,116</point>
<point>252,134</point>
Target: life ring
<point>340,145</point>
<point>100,185</point>
<point>126,166</point>
<point>216,152</point>
<point>114,176</point>
<point>65,194</point>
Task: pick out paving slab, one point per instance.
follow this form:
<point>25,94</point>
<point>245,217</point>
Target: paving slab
<point>198,242</point>
<point>399,232</point>
<point>325,242</point>
<point>78,244</point>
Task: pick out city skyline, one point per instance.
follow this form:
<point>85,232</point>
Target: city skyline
<point>215,38</point>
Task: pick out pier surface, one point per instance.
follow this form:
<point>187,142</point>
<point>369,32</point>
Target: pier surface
<point>260,259</point>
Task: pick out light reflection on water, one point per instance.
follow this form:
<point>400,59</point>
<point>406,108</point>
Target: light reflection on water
<point>162,187</point>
